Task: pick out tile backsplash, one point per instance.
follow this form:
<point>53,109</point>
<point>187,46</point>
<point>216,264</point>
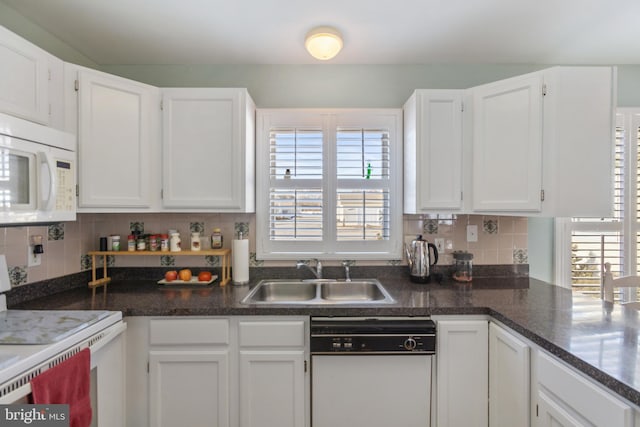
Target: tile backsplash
<point>501,240</point>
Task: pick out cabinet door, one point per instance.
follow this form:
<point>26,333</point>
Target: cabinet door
<point>433,151</point>
<point>550,414</point>
<point>507,145</point>
<point>509,398</point>
<point>462,367</point>
<point>207,158</point>
<point>579,396</point>
<point>189,388</point>
<point>272,388</point>
<point>115,130</point>
<point>24,78</point>
<point>579,141</point>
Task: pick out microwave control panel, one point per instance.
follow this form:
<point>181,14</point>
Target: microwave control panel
<point>65,192</point>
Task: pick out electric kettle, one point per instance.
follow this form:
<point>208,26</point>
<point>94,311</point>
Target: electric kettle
<point>420,260</point>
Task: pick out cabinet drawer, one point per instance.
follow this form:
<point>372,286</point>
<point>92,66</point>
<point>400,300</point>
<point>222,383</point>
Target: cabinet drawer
<point>598,406</point>
<point>272,334</point>
<point>188,331</point>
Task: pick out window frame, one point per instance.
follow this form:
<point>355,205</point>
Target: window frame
<point>329,120</point>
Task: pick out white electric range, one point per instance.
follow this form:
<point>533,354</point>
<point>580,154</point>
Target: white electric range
<point>32,341</point>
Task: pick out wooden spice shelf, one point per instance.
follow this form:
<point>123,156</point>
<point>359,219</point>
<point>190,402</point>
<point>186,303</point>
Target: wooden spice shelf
<point>225,254</point>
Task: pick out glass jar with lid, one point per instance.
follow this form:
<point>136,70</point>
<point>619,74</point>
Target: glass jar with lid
<point>462,266</point>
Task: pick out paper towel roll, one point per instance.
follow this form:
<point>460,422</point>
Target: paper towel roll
<point>240,262</point>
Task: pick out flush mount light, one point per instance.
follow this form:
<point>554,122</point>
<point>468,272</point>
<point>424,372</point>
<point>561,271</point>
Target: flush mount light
<point>323,42</point>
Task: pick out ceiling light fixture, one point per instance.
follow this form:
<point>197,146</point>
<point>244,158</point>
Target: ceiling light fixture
<point>323,42</point>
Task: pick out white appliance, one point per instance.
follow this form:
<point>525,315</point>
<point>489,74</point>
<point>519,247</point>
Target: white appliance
<point>37,173</point>
<point>32,341</point>
<point>373,372</point>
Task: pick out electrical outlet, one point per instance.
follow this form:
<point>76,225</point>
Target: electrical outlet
<point>33,260</point>
<point>472,233</point>
<point>439,245</point>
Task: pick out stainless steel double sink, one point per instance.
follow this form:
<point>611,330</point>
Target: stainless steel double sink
<point>318,291</point>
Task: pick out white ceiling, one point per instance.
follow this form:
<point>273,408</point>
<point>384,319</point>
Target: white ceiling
<point>374,31</point>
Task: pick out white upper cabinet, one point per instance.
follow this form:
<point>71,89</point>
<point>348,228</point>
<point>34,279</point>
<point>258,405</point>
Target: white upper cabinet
<point>433,151</point>
<point>118,144</point>
<point>543,143</point>
<point>208,148</point>
<point>507,145</point>
<point>24,78</point>
<point>579,141</point>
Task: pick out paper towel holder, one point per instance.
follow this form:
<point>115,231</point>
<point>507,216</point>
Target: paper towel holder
<point>240,260</point>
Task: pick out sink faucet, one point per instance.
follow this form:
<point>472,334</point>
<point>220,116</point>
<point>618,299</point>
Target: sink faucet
<point>318,270</point>
<point>346,265</point>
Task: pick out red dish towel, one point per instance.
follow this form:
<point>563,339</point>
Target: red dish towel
<point>67,383</point>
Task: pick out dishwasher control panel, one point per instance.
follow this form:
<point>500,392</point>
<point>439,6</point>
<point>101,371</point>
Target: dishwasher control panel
<point>373,336</point>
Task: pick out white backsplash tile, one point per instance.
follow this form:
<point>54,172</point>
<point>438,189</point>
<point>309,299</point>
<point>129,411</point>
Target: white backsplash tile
<point>62,257</point>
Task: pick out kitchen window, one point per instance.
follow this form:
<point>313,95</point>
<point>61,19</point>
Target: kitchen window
<point>585,244</point>
<point>329,184</point>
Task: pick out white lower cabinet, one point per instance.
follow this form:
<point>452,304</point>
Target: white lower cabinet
<point>272,388</point>
<point>217,371</point>
<point>189,388</point>
<point>551,414</point>
<point>273,377</point>
<point>565,398</point>
<point>189,374</point>
<point>462,373</point>
<point>509,384</point>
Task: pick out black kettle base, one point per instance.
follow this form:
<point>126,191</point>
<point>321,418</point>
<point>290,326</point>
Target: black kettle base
<point>420,279</point>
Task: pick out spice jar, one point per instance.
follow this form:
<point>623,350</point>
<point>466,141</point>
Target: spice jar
<point>115,243</point>
<point>141,243</point>
<point>216,239</point>
<point>174,242</point>
<point>153,243</point>
<point>195,241</point>
<point>164,242</point>
<point>463,266</point>
<point>131,243</point>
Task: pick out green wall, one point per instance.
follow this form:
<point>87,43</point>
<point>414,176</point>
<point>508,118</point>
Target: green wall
<point>326,85</point>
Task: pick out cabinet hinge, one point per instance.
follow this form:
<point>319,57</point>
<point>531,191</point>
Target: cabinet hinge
<point>77,190</point>
<point>76,85</point>
<point>462,106</point>
<point>461,195</point>
<point>148,367</point>
<point>161,105</point>
<point>542,195</point>
<point>537,411</point>
<point>305,366</point>
<point>544,89</point>
<point>49,71</point>
<point>162,193</point>
<point>50,109</point>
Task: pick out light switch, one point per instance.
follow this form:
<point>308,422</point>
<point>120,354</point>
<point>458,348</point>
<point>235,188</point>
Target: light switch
<point>472,233</point>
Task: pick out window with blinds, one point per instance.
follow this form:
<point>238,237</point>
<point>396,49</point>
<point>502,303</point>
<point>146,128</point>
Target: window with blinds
<point>330,183</point>
<point>295,190</point>
<point>363,170</point>
<point>595,241</point>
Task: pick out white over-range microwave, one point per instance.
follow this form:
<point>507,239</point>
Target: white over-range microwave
<point>37,173</point>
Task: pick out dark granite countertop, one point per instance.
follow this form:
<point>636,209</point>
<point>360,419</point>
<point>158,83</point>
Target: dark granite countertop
<point>595,337</point>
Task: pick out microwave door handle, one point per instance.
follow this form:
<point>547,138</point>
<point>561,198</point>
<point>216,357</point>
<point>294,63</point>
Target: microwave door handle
<point>45,159</point>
